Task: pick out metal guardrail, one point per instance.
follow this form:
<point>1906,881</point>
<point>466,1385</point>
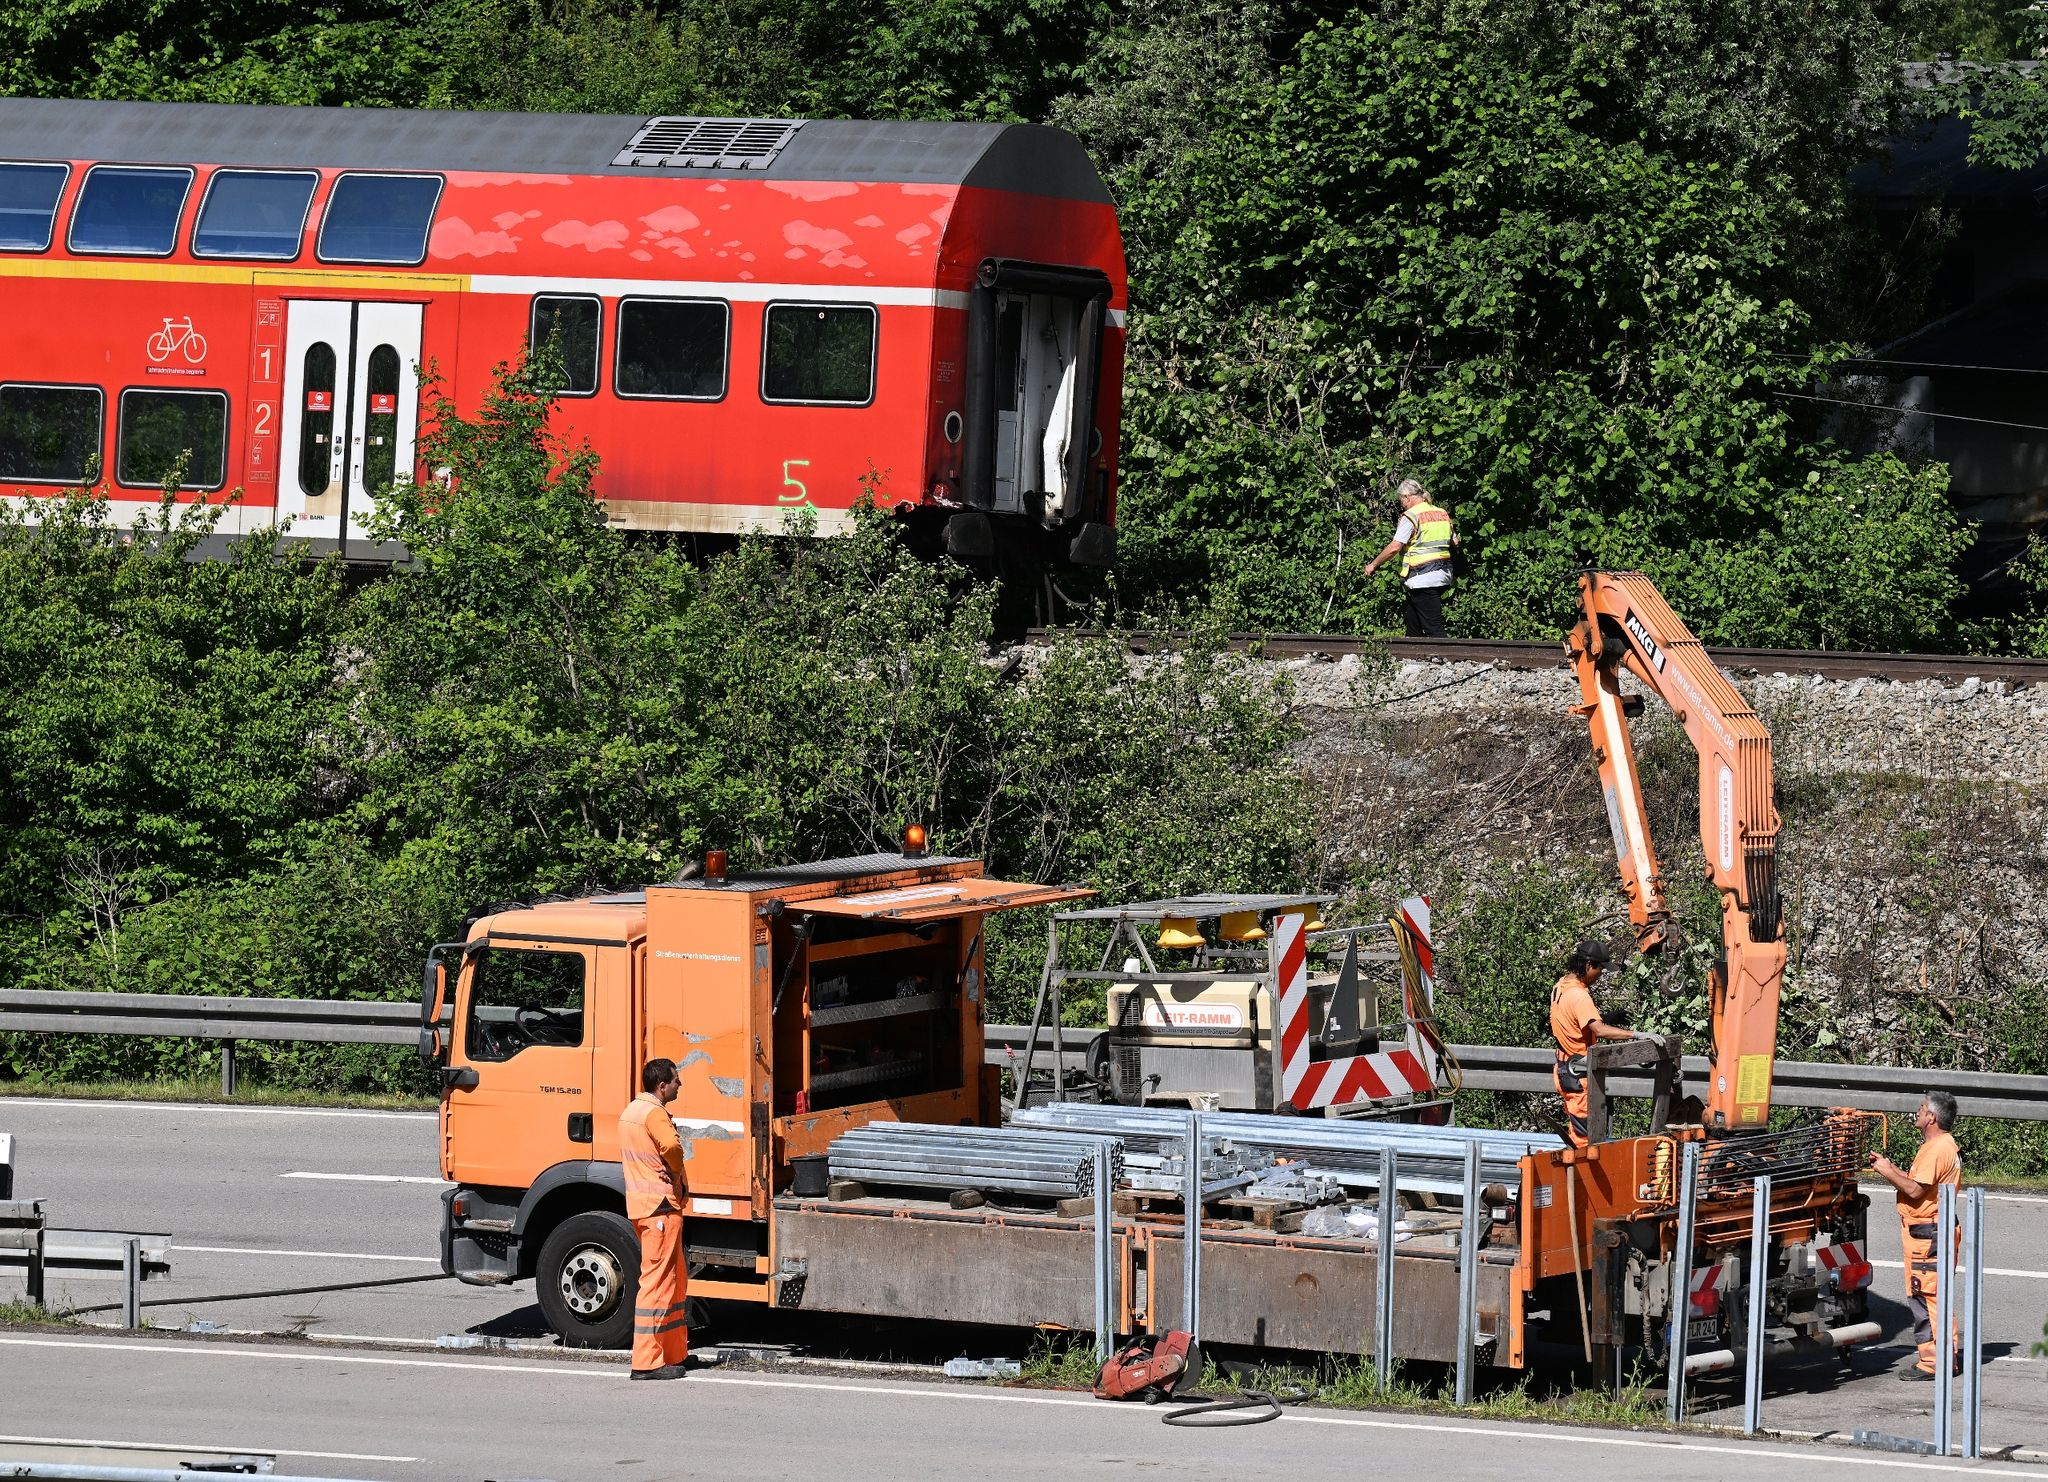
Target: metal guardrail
<point>1880,1088</point>
<point>1487,1067</point>
<point>197,1016</point>
<point>1884,1088</point>
<point>193,1016</point>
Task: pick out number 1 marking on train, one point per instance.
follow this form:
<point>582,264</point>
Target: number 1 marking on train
<point>802,495</point>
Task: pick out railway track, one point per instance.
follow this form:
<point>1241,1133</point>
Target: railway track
<point>1537,654</point>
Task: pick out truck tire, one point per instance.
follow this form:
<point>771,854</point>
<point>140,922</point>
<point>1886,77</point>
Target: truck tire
<point>588,1272</point>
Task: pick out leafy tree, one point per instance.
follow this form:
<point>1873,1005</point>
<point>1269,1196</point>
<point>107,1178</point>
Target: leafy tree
<point>1578,334</point>
<point>160,716</point>
<point>370,52</point>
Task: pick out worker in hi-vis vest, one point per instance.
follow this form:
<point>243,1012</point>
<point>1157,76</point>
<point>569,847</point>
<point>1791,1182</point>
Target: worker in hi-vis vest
<point>1424,540</point>
<point>652,1157</point>
<point>1575,1023</point>
<point>1938,1162</point>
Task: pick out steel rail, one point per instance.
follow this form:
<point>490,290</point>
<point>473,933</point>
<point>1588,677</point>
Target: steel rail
<point>1548,654</point>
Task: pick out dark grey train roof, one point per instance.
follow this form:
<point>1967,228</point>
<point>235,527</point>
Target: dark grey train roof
<point>1020,157</point>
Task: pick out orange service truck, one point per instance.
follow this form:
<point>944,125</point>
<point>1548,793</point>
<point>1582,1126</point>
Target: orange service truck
<point>800,1002</point>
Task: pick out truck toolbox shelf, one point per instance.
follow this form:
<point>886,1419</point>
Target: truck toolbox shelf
<point>857,1013</point>
<point>866,1075</point>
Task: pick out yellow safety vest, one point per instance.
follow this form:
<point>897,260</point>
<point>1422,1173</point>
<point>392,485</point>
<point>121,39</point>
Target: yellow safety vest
<point>1430,550</point>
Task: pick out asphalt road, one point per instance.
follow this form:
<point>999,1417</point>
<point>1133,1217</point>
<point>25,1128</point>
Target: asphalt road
<point>262,1199</point>
<point>350,1414</point>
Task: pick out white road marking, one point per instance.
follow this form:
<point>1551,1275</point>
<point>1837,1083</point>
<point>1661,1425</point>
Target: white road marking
<point>236,1450</point>
<point>318,1255</point>
<point>1874,1190</point>
<point>1772,1455</point>
<point>1988,1270</point>
<point>371,1178</point>
<point>208,1106</point>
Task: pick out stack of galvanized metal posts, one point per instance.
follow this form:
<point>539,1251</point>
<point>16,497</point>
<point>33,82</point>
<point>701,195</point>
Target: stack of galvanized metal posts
<point>1432,1158</point>
<point>1048,1164</point>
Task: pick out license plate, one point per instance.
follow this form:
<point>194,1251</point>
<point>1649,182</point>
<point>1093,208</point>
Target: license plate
<point>1702,1330</point>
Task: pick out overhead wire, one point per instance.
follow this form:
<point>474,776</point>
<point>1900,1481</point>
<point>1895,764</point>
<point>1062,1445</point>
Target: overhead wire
<point>1864,406</point>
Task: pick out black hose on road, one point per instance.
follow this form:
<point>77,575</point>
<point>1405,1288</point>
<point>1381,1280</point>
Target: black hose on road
<point>1255,1407</point>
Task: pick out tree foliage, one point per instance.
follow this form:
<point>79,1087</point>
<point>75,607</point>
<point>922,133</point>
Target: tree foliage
<point>233,776</point>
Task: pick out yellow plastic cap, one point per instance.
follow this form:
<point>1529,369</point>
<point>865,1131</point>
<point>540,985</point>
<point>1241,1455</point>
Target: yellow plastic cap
<point>1180,932</point>
<point>1242,926</point>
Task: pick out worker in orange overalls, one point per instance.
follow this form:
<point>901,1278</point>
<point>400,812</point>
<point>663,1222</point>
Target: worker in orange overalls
<point>1938,1162</point>
<point>1575,1023</point>
<point>652,1156</point>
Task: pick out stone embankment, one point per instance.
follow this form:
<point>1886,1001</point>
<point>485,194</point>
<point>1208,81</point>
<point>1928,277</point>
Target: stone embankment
<point>1914,847</point>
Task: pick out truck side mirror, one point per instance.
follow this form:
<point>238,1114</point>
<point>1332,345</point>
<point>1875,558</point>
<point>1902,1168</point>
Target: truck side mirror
<point>433,997</point>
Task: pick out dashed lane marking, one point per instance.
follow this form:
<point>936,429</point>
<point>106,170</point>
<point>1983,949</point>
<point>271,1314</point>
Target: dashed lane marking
<point>1768,1455</point>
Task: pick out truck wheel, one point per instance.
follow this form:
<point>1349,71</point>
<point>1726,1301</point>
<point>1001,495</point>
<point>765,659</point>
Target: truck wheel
<point>588,1271</point>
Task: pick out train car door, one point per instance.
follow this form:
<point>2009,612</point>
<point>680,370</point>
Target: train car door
<point>1034,360</point>
<point>351,412</point>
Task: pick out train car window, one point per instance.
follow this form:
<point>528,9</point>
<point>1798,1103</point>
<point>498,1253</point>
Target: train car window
<point>379,218</point>
<point>574,324</point>
<point>254,213</point>
<point>672,348</point>
<point>132,210</point>
<point>316,421</point>
<point>160,428</point>
<point>50,434</point>
<point>819,354</point>
<point>28,205</point>
<point>380,422</point>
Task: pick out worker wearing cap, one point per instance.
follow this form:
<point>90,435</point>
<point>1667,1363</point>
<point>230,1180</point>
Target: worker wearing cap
<point>1938,1162</point>
<point>652,1158</point>
<point>1423,539</point>
<point>1575,1023</point>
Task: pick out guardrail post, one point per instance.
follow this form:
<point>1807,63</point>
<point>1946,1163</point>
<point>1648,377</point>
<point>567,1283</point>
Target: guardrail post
<point>1191,1233</point>
<point>1944,1318</point>
<point>1383,1306</point>
<point>1759,1284</point>
<point>38,1266</point>
<point>227,1067</point>
<point>1105,1315</point>
<point>131,1283</point>
<point>1973,1323</point>
<point>1468,1275</point>
<point>1681,1282</point>
<point>6,1165</point>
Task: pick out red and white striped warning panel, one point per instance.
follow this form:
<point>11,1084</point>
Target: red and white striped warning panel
<point>1309,1084</point>
<point>1845,1263</point>
<point>1703,1293</point>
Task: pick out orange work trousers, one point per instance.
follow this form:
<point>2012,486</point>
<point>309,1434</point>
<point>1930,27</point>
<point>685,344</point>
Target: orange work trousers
<point>661,1333</point>
<point>1572,1087</point>
<point>1923,1295</point>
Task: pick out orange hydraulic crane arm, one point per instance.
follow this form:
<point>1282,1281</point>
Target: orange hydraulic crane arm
<point>1625,623</point>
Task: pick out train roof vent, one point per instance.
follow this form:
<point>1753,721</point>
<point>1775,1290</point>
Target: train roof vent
<point>709,143</point>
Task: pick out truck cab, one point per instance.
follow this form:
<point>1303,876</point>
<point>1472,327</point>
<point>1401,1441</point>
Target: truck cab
<point>796,1003</point>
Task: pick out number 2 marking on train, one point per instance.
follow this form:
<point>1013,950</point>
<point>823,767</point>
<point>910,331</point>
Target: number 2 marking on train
<point>802,495</point>
<point>264,412</point>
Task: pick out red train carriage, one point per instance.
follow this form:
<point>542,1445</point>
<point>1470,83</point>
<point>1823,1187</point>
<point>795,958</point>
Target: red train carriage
<point>756,316</point>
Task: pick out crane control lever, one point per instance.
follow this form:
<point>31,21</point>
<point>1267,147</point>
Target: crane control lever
<point>1625,624</point>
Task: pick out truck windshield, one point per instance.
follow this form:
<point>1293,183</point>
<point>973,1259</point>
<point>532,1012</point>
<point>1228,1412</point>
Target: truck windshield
<point>519,998</point>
